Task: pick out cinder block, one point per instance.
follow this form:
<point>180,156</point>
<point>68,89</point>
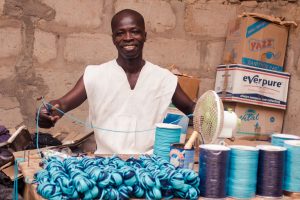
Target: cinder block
<point>292,117</point>
<point>206,84</point>
<point>89,48</point>
<point>10,42</point>
<point>77,13</point>
<point>209,19</point>
<point>44,46</point>
<point>165,52</point>
<point>7,70</point>
<point>1,6</point>
<point>10,108</point>
<point>159,16</point>
<point>213,54</point>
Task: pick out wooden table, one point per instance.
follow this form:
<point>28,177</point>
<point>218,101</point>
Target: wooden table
<point>28,171</point>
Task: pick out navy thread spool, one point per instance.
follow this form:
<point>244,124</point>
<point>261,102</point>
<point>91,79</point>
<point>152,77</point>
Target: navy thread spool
<point>277,139</point>
<point>242,172</point>
<point>292,167</point>
<point>165,135</point>
<point>180,157</point>
<point>213,170</point>
<point>270,171</point>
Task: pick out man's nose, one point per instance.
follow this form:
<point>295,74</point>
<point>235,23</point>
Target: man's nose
<point>128,36</point>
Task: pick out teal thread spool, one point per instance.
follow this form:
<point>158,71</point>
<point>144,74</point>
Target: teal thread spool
<point>165,135</point>
<point>292,167</point>
<point>279,138</point>
<point>242,172</point>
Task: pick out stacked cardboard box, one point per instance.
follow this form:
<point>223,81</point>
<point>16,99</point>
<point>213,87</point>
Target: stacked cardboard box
<point>252,82</point>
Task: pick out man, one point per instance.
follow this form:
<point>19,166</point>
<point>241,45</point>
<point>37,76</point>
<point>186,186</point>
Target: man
<point>126,96</point>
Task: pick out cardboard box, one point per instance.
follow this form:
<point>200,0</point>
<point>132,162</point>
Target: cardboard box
<point>256,121</point>
<point>242,83</point>
<point>256,40</point>
<point>190,85</point>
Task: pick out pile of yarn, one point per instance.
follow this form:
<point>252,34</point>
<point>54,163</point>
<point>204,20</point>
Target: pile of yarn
<point>149,177</point>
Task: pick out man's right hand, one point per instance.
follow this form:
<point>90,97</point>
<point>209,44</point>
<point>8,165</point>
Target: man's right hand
<point>48,116</point>
<point>74,98</point>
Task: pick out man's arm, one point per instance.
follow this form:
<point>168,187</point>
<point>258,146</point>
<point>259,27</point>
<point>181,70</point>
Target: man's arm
<point>182,101</point>
<point>74,98</point>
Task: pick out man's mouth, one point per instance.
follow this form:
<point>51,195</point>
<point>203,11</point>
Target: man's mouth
<point>129,47</point>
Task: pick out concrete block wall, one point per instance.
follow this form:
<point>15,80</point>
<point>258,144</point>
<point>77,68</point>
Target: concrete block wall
<point>46,44</point>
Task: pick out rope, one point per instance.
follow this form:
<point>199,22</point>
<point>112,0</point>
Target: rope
<point>78,121</point>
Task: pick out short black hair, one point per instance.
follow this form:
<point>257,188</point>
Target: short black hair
<point>127,12</point>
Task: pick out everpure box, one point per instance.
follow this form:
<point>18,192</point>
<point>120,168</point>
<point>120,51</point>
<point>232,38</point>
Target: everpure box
<point>255,41</point>
<point>246,84</point>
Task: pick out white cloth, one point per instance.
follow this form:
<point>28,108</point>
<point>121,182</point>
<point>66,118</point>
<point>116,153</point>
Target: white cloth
<point>124,119</point>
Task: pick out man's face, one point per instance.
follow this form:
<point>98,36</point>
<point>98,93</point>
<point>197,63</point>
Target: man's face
<point>128,36</point>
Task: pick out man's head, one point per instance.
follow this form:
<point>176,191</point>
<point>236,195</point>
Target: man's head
<point>128,33</point>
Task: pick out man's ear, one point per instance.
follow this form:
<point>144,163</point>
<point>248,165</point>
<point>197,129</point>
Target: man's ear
<point>112,38</point>
<point>145,36</point>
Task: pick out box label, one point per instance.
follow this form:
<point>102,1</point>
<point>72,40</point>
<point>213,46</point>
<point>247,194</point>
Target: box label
<point>257,26</point>
<point>250,115</point>
<point>258,45</point>
<point>241,83</point>
<point>261,64</point>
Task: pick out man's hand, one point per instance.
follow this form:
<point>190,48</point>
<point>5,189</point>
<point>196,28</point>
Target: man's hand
<point>48,116</point>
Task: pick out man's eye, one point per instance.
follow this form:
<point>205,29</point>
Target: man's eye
<point>135,32</point>
<point>119,33</point>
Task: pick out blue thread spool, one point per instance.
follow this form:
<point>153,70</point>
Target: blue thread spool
<point>292,168</point>
<point>213,170</point>
<point>279,138</point>
<point>180,157</point>
<point>242,171</point>
<point>270,171</point>
<point>165,135</point>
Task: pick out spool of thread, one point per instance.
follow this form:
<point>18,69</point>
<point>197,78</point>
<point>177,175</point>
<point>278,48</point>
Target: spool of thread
<point>292,168</point>
<point>213,170</point>
<point>278,139</point>
<point>242,172</point>
<point>270,171</point>
<point>165,135</point>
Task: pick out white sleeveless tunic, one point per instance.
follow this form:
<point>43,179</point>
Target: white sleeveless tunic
<point>123,119</point>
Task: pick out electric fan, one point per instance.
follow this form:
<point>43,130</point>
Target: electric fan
<point>211,121</point>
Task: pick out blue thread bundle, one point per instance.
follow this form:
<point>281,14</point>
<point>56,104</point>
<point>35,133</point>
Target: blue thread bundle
<point>149,177</point>
<point>213,170</point>
<point>292,168</point>
<point>165,135</point>
<point>278,139</point>
<point>242,172</point>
